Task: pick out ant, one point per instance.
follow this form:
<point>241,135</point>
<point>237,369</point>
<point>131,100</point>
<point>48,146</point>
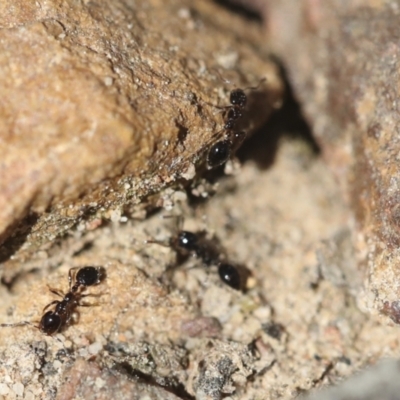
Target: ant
<point>222,150</point>
<point>196,244</point>
<point>53,321</point>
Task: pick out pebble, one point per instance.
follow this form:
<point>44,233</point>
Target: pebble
<point>18,389</point>
<point>4,389</point>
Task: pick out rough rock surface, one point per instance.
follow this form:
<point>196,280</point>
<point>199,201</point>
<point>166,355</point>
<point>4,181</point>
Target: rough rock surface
<point>343,60</point>
<point>380,382</point>
<point>105,103</point>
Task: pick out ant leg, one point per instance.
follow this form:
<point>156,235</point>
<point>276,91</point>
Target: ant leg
<point>50,304</point>
<point>23,323</point>
<point>83,304</point>
<point>262,80</point>
<point>93,295</point>
<point>160,242</point>
<point>71,276</point>
<point>55,291</point>
<point>89,304</point>
<point>222,108</point>
<point>178,228</point>
<point>179,221</point>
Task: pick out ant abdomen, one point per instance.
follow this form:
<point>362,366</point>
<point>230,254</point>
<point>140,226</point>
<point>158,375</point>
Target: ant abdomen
<point>230,275</point>
<point>219,153</point>
<point>50,323</point>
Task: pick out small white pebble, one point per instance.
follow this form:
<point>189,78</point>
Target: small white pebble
<point>57,364</point>
<point>115,215</point>
<point>228,60</point>
<point>108,80</point>
<point>18,389</point>
<point>100,382</point>
<point>184,13</point>
<point>95,348</point>
<point>83,352</point>
<point>180,196</point>
<point>29,396</point>
<point>189,173</point>
<point>4,389</point>
<point>262,313</point>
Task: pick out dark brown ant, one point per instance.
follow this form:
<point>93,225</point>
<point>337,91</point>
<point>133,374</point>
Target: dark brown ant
<point>196,244</point>
<point>221,151</point>
<point>54,320</point>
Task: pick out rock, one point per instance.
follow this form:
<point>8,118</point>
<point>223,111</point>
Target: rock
<point>378,382</point>
<point>105,104</point>
<point>342,60</point>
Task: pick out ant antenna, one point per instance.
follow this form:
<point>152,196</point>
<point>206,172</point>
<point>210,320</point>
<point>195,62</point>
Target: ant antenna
<point>179,225</point>
<point>16,324</point>
<point>25,323</point>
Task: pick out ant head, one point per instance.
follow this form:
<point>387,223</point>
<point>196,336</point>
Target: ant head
<point>219,153</point>
<point>50,323</point>
<point>238,98</point>
<point>187,240</point>
<point>89,276</point>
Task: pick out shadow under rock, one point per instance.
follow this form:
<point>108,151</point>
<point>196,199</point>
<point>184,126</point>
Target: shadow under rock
<point>288,122</point>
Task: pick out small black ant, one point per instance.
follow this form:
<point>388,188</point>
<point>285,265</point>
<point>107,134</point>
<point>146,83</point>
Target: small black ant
<point>196,244</point>
<point>53,321</point>
<point>222,150</point>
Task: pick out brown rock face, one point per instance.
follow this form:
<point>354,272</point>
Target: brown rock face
<point>104,103</point>
<point>343,60</point>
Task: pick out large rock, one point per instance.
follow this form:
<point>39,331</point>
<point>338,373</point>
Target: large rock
<point>105,103</point>
<point>342,58</point>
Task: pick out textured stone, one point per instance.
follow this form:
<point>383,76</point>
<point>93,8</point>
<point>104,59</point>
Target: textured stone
<point>105,103</point>
<point>342,58</point>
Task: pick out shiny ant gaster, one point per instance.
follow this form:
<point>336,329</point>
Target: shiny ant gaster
<point>53,321</point>
<point>191,243</point>
<point>222,151</point>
